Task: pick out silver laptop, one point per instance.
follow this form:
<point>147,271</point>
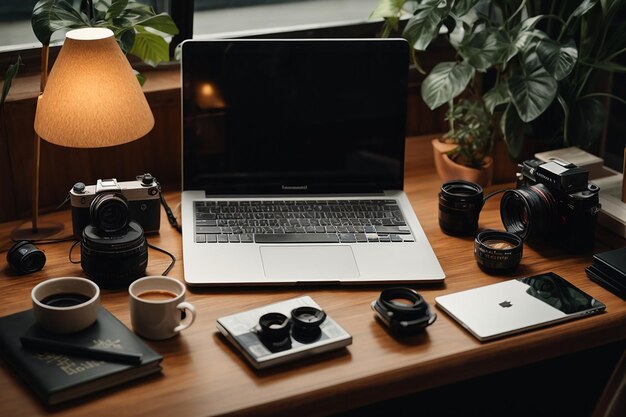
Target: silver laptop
<point>293,164</point>
<point>518,305</point>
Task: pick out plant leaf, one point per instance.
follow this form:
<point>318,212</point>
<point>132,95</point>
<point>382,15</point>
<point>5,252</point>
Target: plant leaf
<point>424,26</point>
<point>532,89</point>
<point>116,8</point>
<point>388,8</point>
<point>565,108</point>
<point>480,49</point>
<point>558,60</point>
<point>584,7</point>
<point>446,81</point>
<point>461,7</point>
<point>496,96</point>
<point>161,22</point>
<point>514,131</point>
<point>52,15</point>
<point>140,77</point>
<point>150,48</point>
<point>126,40</point>
<point>8,78</point>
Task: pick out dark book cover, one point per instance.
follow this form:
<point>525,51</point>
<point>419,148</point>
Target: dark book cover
<point>57,377</point>
<point>612,265</point>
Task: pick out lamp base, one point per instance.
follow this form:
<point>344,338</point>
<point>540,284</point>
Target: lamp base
<point>44,230</point>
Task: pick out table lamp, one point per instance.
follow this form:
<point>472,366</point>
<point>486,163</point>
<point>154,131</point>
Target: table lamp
<point>91,99</point>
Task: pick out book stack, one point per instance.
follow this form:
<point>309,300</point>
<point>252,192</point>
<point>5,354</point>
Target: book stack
<point>63,367</point>
<point>609,270</point>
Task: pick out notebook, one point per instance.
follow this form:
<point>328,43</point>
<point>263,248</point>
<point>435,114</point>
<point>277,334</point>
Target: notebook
<point>58,377</point>
<point>518,305</point>
<point>293,164</point>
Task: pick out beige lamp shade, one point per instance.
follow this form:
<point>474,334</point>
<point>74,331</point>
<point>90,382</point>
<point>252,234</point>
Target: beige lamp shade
<point>92,98</point>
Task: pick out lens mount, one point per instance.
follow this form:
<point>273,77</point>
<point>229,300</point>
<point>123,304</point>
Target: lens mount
<point>109,212</point>
<point>403,310</point>
<point>498,252</point>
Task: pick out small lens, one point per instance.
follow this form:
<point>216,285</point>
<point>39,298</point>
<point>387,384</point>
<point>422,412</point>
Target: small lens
<point>497,252</point>
<point>109,212</point>
<point>460,203</point>
<point>25,258</point>
<point>274,331</point>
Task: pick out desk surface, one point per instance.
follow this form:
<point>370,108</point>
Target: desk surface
<point>203,376</point>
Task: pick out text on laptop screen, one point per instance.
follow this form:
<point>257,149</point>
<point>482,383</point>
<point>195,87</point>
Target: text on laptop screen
<point>294,116</point>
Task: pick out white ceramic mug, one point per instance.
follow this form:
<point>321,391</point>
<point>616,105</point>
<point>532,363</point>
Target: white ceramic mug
<point>156,304</point>
<point>65,305</point>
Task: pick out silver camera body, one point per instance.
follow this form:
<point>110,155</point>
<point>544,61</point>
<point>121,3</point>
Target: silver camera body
<point>143,197</point>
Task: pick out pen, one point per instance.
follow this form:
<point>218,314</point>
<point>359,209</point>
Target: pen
<point>108,355</point>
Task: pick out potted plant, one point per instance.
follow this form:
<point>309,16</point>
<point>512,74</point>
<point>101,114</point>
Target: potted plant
<point>464,152</point>
<point>545,60</point>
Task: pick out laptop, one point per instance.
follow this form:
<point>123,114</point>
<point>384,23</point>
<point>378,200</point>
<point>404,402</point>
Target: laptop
<point>293,164</point>
<point>518,305</point>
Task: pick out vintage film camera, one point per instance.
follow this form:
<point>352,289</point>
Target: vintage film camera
<point>100,201</point>
<point>553,201</point>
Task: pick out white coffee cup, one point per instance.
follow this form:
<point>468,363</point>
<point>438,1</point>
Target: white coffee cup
<point>156,304</point>
<point>65,305</point>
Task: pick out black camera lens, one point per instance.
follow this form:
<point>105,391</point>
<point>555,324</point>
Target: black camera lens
<point>460,203</point>
<point>25,258</point>
<point>306,323</point>
<point>275,331</point>
<point>114,261</point>
<point>528,211</point>
<point>497,252</point>
<point>109,212</point>
<point>403,310</point>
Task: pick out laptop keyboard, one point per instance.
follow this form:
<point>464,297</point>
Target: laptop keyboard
<point>310,221</point>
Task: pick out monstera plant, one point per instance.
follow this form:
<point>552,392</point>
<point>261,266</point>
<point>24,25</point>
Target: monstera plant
<point>543,65</point>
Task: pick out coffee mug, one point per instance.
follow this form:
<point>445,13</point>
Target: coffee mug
<point>156,304</point>
<point>65,305</point>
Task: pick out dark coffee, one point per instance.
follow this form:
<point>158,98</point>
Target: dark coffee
<point>65,299</point>
<point>157,295</point>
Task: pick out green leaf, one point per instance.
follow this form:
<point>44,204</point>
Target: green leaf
<point>584,7</point>
<point>126,40</point>
<point>532,89</point>
<point>140,77</point>
<point>117,7</point>
<point>608,66</point>
<point>565,108</point>
<point>8,78</point>
<point>52,15</point>
<point>161,22</point>
<point>388,8</point>
<point>150,48</point>
<point>446,81</point>
<point>558,59</point>
<point>514,131</point>
<point>424,26</point>
<point>480,49</point>
<point>496,96</point>
<point>461,7</point>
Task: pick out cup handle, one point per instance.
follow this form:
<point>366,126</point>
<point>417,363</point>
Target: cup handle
<point>188,308</point>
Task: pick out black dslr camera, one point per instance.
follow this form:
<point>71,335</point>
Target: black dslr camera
<point>553,201</point>
<point>108,200</point>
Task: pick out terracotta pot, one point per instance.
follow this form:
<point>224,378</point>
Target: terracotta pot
<point>450,170</point>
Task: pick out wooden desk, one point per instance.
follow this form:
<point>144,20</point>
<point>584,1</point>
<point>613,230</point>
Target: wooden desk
<point>203,376</point>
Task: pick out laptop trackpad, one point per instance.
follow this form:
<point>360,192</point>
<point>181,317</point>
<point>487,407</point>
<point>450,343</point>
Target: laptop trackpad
<point>309,263</point>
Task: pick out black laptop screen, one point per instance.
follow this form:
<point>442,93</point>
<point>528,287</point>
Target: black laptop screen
<point>294,116</point>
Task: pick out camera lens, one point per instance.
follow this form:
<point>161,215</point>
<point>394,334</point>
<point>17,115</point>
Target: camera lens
<point>497,252</point>
<point>528,211</point>
<point>25,258</point>
<point>306,323</point>
<point>460,203</point>
<point>275,329</point>
<point>403,310</point>
<point>109,212</point>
